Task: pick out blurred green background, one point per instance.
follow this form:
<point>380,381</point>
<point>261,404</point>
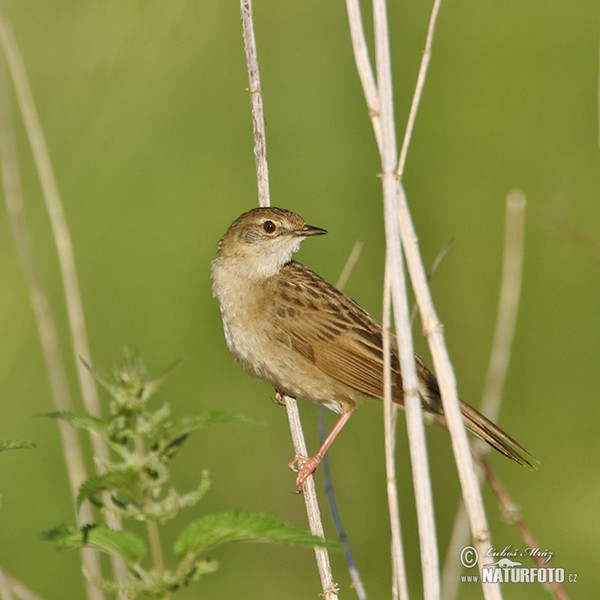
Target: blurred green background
<point>148,123</point>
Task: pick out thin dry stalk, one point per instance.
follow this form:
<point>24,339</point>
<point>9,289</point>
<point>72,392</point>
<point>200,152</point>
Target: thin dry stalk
<point>5,589</point>
<point>443,368</point>
<point>45,324</point>
<point>66,256</point>
<point>258,121</point>
<point>452,566</point>
<point>330,588</point>
<point>399,579</point>
<point>363,65</point>
<point>310,496</point>
<point>357,583</point>
<point>508,307</point>
<point>18,589</point>
<point>54,206</point>
<point>506,320</point>
<point>394,262</point>
<point>441,360</point>
<point>434,265</point>
<point>416,100</point>
<point>513,516</point>
<point>349,265</point>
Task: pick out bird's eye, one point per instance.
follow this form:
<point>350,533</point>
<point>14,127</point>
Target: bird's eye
<point>269,226</point>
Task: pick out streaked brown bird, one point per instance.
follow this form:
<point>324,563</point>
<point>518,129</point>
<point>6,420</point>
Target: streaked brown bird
<point>288,326</point>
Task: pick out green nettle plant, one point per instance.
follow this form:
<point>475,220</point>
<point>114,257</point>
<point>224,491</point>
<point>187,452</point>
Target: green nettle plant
<point>143,441</point>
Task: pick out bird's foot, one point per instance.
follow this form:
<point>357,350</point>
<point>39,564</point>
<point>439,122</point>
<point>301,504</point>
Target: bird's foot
<point>305,467</point>
<point>279,398</point>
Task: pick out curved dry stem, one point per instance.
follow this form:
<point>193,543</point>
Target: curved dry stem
<point>15,589</point>
<point>447,381</point>
<point>44,320</point>
<point>506,319</point>
<point>363,66</point>
<point>312,506</point>
<point>399,579</point>
<point>54,206</point>
<point>416,100</point>
<point>394,197</point>
<point>394,262</point>
<point>5,588</point>
<point>508,305</point>
<point>65,252</point>
<point>258,120</point>
<point>512,514</point>
<point>310,496</point>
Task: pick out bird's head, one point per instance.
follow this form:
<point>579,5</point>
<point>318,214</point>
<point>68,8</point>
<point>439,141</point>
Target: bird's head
<point>265,238</point>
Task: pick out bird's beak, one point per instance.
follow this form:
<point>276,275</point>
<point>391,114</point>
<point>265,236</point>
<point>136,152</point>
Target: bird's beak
<point>309,230</point>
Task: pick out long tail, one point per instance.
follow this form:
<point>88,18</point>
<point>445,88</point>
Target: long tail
<point>474,421</point>
<point>484,429</point>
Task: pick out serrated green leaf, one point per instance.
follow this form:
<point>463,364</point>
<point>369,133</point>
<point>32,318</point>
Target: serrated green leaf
<point>15,445</point>
<point>125,544</point>
<point>58,535</point>
<point>180,429</point>
<point>124,483</point>
<point>79,420</point>
<point>239,526</point>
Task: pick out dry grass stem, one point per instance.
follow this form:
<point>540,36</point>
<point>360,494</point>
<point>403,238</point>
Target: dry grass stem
<point>66,257</point>
<point>510,291</point>
<point>447,381</point>
<point>433,330</point>
<point>310,496</point>
<point>15,589</point>
<point>56,213</point>
<point>44,320</point>
<point>349,265</point>
<point>511,513</point>
<point>416,100</point>
<point>508,307</point>
<point>399,579</point>
<point>258,121</point>
<point>394,262</point>
<point>434,265</point>
<point>312,506</point>
<point>363,65</point>
<point>5,588</point>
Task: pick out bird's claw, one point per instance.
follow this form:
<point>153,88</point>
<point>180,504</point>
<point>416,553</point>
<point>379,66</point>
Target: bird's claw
<point>305,467</point>
<point>279,398</point>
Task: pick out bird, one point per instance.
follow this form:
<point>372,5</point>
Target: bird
<point>286,325</point>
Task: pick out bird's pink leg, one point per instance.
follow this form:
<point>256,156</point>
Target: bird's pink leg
<point>307,465</point>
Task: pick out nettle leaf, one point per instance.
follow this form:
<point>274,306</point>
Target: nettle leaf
<point>125,544</point>
<point>15,445</point>
<point>80,420</point>
<point>58,535</point>
<point>180,429</point>
<point>124,483</point>
<point>242,526</point>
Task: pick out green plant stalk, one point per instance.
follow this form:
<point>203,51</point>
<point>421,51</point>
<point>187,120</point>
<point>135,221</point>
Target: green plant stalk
<point>155,547</point>
<point>151,525</point>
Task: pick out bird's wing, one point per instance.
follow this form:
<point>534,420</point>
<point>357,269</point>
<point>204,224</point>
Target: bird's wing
<point>329,329</point>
